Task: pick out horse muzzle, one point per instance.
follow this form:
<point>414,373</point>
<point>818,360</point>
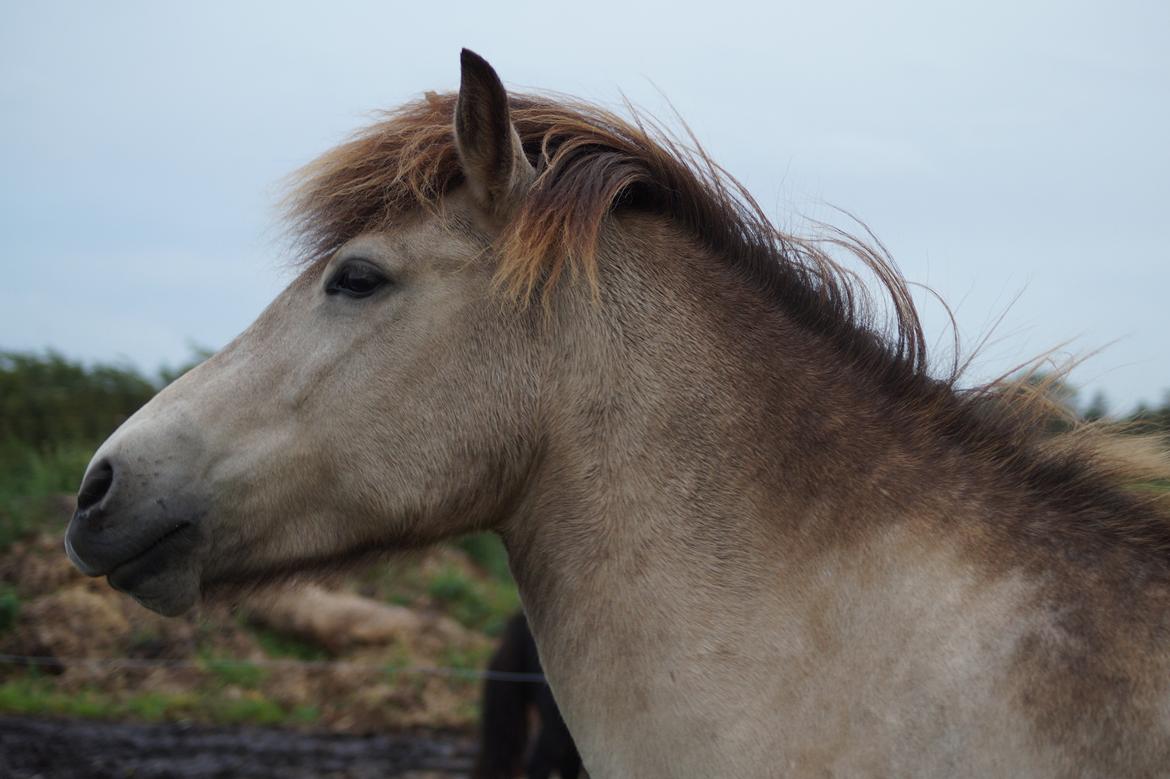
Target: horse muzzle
<point>140,534</point>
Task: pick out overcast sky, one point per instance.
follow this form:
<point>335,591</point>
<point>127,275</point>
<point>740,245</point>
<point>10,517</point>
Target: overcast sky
<point>1014,156</point>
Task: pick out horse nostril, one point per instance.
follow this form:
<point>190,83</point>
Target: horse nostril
<point>95,485</point>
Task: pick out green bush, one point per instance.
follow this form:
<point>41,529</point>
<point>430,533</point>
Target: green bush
<point>9,608</point>
<point>47,399</point>
<point>487,551</point>
<point>54,412</point>
<point>484,606</point>
<point>29,478</point>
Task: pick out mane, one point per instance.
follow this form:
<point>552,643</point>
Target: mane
<point>591,163</point>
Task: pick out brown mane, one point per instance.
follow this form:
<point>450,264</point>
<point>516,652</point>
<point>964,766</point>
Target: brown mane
<point>591,162</point>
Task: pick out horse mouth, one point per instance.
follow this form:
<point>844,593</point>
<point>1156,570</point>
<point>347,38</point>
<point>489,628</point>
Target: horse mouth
<point>152,560</point>
<point>159,577</point>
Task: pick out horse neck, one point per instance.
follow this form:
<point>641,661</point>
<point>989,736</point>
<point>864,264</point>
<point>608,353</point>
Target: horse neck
<point>696,444</point>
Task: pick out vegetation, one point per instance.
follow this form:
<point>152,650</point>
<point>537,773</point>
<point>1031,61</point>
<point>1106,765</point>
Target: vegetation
<point>223,666</point>
<point>486,550</point>
<point>9,607</point>
<point>30,478</point>
<point>483,606</point>
<point>285,647</point>
<point>46,401</point>
<point>229,671</point>
<point>1152,419</point>
<point>36,695</point>
<point>53,413</point>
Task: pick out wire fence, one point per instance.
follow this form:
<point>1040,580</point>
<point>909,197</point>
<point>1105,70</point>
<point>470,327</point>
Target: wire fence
<point>118,663</point>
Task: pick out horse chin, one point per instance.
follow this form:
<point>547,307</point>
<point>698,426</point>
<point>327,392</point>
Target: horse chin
<point>170,599</point>
<point>164,583</point>
<point>230,584</point>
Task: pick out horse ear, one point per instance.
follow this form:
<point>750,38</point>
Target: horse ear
<point>493,160</point>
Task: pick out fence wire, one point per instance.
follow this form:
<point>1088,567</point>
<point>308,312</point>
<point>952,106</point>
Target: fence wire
<point>117,663</point>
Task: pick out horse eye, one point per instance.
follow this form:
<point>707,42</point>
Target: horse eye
<point>356,280</point>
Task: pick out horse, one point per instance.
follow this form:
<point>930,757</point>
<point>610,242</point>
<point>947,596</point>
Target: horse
<point>508,705</point>
<point>789,545</point>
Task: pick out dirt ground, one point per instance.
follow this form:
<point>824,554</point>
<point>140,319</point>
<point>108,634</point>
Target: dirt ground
<point>343,656</point>
<point>82,749</point>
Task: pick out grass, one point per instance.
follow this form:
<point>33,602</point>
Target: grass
<point>481,596</point>
<point>228,671</point>
<point>483,605</point>
<point>487,551</point>
<point>9,608</point>
<point>255,711</point>
<point>283,645</point>
<point>34,695</point>
<point>29,479</point>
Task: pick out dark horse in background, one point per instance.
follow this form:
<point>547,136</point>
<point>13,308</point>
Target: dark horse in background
<point>508,705</point>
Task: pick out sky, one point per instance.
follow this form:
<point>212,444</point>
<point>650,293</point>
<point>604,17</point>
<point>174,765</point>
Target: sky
<point>1012,156</point>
